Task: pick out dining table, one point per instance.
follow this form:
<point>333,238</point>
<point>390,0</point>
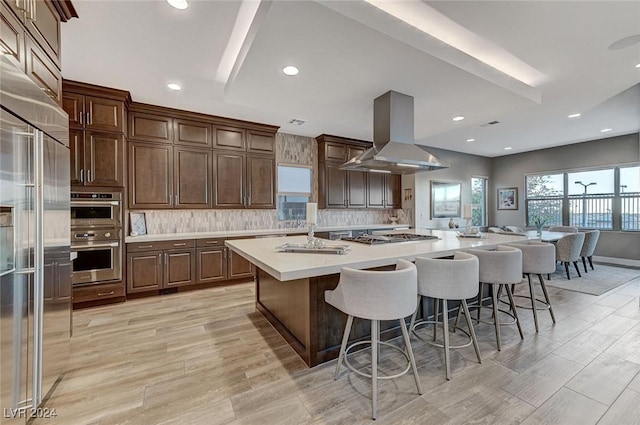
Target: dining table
<point>546,236</point>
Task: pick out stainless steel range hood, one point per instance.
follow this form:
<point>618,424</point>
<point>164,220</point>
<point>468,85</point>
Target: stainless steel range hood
<point>394,150</point>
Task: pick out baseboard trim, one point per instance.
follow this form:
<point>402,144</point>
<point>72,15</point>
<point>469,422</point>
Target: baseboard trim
<point>619,261</point>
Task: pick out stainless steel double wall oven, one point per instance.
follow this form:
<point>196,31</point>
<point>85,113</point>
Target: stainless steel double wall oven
<point>96,227</point>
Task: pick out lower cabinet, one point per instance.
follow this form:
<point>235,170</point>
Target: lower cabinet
<point>167,264</point>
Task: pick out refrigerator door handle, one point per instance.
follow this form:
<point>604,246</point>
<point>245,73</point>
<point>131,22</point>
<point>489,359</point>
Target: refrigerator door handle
<point>38,281</point>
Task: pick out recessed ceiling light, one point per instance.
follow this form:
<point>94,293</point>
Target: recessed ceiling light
<point>574,115</point>
<point>471,140</point>
<point>178,4</point>
<point>458,118</point>
<point>290,70</point>
<point>508,148</point>
<point>174,86</point>
<point>638,65</point>
<point>606,130</point>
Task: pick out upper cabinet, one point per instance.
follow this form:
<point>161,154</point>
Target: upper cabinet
<point>215,162</point>
<point>96,128</point>
<point>30,38</point>
<point>341,189</point>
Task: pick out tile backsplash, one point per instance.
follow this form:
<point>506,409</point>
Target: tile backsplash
<point>290,149</point>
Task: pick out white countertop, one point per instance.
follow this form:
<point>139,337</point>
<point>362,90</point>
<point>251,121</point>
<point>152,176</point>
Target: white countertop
<point>255,232</point>
<point>289,266</point>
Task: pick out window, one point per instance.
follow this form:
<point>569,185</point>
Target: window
<point>544,198</point>
<point>630,198</point>
<point>586,199</point>
<point>294,191</point>
<point>591,196</point>
<point>479,201</point>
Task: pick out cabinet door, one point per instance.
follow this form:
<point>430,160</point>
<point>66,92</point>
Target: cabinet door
<point>211,264</point>
<point>104,114</point>
<point>261,182</point>
<point>104,159</point>
<point>260,141</point>
<point>335,186</point>
<point>229,182</point>
<point>239,266</point>
<point>375,190</point>
<point>144,271</point>
<point>393,189</point>
<point>150,128</point>
<point>73,105</point>
<point>192,133</point>
<point>44,25</point>
<point>335,152</point>
<point>43,71</point>
<point>179,267</point>
<point>357,197</point>
<point>150,175</point>
<point>12,36</point>
<point>229,138</point>
<point>192,173</point>
<point>76,155</point>
<point>63,284</point>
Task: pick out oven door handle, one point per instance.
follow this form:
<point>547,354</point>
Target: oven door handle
<point>93,203</point>
<point>98,245</point>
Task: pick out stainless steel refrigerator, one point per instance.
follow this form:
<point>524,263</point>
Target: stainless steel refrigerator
<point>35,268</point>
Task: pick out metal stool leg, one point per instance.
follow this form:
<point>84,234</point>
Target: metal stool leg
<point>479,302</point>
<point>471,330</point>
<point>413,316</point>
<point>343,346</point>
<point>533,301</point>
<point>374,368</point>
<point>407,344</point>
<point>496,316</point>
<point>435,318</point>
<point>445,329</point>
<point>546,297</point>
<point>515,312</point>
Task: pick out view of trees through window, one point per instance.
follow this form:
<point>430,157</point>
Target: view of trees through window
<point>479,201</point>
<point>585,199</point>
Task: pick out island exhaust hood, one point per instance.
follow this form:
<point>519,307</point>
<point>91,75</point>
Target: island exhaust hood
<point>394,150</point>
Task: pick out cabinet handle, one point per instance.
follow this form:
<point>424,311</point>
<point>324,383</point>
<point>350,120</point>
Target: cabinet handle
<point>18,3</point>
<point>89,180</point>
<point>144,246</point>
<point>179,244</point>
<point>82,176</point>
<point>248,200</point>
<point>33,11</point>
<point>104,294</point>
<point>89,121</point>
<point>81,117</point>
<point>211,242</point>
<point>224,253</point>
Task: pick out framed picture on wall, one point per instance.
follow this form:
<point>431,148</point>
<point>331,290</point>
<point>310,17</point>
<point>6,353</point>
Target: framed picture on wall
<point>508,198</point>
<point>445,199</point>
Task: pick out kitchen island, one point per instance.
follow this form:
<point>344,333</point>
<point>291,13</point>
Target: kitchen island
<point>290,286</point>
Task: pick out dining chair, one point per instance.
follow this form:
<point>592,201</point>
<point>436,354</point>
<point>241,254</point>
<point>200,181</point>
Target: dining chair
<point>568,250</point>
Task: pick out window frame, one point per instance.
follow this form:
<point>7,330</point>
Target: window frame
<point>485,200</point>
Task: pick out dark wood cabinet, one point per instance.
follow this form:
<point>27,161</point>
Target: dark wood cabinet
<point>261,181</point>
<point>42,70</point>
<point>352,189</point>
<point>43,23</point>
<point>229,176</point>
<point>192,178</point>
<point>57,280</point>
<point>146,127</point>
<point>229,138</point>
<point>211,264</point>
<point>144,271</point>
<point>261,142</point>
<point>96,133</point>
<point>97,293</point>
<point>150,175</point>
<point>179,267</point>
<point>12,36</point>
<point>192,133</point>
<point>239,267</point>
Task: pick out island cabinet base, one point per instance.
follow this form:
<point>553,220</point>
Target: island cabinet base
<point>298,311</point>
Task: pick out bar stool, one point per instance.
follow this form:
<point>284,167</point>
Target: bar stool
<point>568,250</point>
<point>499,269</point>
<point>588,247</point>
<point>375,296</point>
<point>538,258</point>
<point>443,279</point>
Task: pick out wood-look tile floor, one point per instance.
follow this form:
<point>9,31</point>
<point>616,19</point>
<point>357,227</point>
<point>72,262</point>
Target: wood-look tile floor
<point>207,357</point>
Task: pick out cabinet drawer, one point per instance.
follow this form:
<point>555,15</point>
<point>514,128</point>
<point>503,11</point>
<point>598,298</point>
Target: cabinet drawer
<point>97,292</point>
<point>159,245</point>
<point>203,243</point>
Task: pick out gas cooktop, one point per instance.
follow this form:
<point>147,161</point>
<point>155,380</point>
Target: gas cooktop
<point>389,238</point>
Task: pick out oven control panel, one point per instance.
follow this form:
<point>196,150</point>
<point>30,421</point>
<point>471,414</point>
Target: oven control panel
<point>81,235</point>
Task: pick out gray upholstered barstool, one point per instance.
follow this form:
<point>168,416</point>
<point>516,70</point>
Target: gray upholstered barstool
<point>538,258</point>
<point>589,247</point>
<point>515,229</point>
<point>565,229</point>
<point>446,280</point>
<point>568,250</point>
<point>375,296</point>
<point>499,269</point>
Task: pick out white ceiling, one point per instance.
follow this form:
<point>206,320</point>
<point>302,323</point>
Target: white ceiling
<point>350,52</point>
